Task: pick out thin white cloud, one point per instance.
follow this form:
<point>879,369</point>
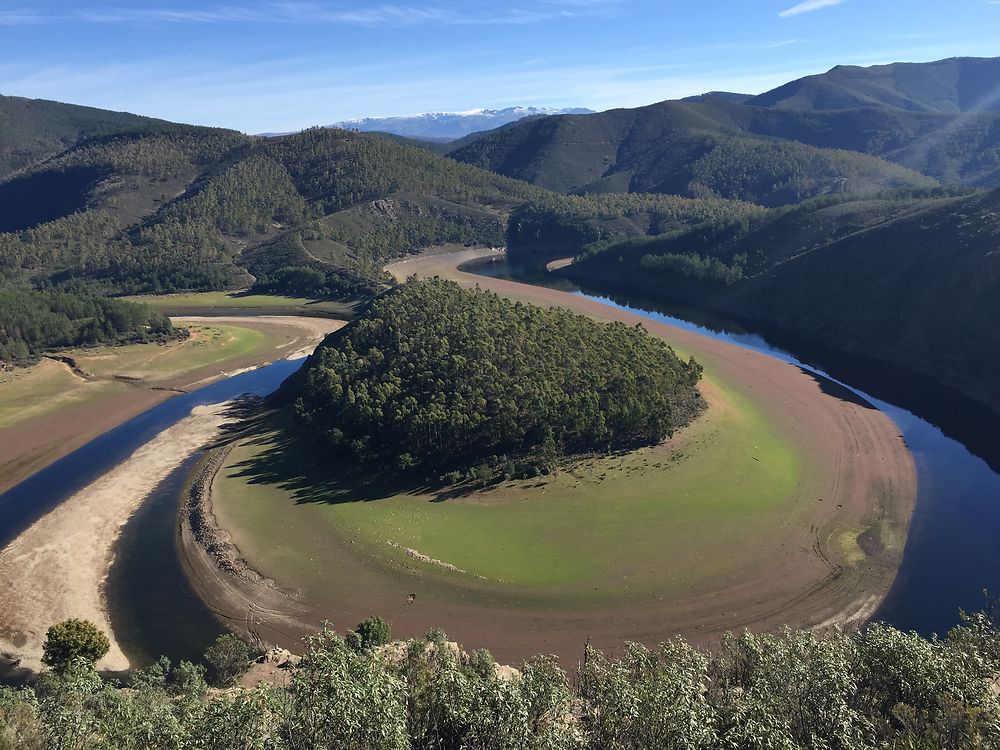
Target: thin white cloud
<point>808,6</point>
<point>385,14</point>
<point>785,43</point>
<point>20,18</point>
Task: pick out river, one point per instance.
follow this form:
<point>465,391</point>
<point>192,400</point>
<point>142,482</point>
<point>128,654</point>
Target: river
<point>153,610</point>
<point>952,552</point>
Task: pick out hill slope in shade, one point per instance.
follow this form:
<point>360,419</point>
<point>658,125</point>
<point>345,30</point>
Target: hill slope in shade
<point>912,283</point>
<point>449,126</point>
<point>32,129</point>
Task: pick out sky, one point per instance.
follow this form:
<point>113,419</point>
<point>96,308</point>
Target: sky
<point>281,65</point>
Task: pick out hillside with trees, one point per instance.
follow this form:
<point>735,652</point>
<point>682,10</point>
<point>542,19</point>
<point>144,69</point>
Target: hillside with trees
<point>34,129</point>
<point>912,282</point>
<point>681,148</point>
<point>938,119</point>
<point>194,209</point>
<point>435,380</point>
<point>559,226</point>
<point>958,84</point>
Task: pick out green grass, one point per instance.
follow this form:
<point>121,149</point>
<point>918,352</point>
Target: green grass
<point>207,302</point>
<point>651,522</point>
<point>28,393</point>
<point>209,344</point>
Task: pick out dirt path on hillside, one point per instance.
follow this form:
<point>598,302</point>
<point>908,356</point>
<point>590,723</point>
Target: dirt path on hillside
<point>857,475</point>
<point>32,444</point>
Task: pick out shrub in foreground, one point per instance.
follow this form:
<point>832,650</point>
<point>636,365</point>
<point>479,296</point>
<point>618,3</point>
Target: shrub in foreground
<point>880,689</point>
<point>73,639</point>
<point>227,659</point>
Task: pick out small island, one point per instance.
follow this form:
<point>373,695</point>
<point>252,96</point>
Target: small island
<point>445,383</point>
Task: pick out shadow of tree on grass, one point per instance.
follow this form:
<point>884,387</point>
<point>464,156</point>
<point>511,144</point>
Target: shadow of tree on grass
<point>289,458</point>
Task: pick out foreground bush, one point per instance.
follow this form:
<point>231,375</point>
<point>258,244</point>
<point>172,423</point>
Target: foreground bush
<point>73,639</point>
<point>880,689</point>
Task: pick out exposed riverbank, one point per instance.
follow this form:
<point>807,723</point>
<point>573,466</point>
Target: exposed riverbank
<point>67,552</point>
<point>76,409</point>
<point>56,568</point>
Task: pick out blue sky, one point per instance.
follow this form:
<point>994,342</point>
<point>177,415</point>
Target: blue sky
<point>277,65</point>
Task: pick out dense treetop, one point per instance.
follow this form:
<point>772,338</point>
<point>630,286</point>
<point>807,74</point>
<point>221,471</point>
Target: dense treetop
<point>558,226</point>
<point>437,379</point>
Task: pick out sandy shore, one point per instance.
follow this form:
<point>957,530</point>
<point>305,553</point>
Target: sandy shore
<point>33,444</point>
<point>56,568</point>
<point>857,476</point>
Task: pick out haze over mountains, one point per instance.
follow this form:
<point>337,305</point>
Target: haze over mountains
<point>449,126</point>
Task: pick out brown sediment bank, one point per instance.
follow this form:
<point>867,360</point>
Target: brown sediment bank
<point>56,568</point>
<point>857,473</point>
<point>32,444</point>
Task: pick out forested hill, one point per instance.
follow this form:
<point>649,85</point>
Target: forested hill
<point>435,380</point>
<point>912,282</point>
<point>192,208</point>
<point>174,207</point>
<point>695,149</point>
<point>33,129</point>
<point>938,119</point>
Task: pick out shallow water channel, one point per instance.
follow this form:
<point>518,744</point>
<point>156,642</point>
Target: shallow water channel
<point>153,609</point>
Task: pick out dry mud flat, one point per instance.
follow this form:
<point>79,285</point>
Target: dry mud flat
<point>813,572</point>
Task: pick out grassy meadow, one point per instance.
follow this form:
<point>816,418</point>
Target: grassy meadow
<point>49,386</point>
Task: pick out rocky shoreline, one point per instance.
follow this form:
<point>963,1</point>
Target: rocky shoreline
<point>196,512</point>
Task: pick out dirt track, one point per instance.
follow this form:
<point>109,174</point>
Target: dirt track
<point>857,472</point>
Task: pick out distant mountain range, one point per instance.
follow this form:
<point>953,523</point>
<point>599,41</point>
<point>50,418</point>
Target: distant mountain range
<point>449,126</point>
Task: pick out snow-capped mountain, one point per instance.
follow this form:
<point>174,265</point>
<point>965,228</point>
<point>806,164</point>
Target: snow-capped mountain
<point>447,126</point>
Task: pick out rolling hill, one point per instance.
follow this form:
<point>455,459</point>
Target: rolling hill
<point>33,129</point>
<point>939,119</point>
<point>959,84</point>
<point>174,207</point>
<point>192,208</point>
